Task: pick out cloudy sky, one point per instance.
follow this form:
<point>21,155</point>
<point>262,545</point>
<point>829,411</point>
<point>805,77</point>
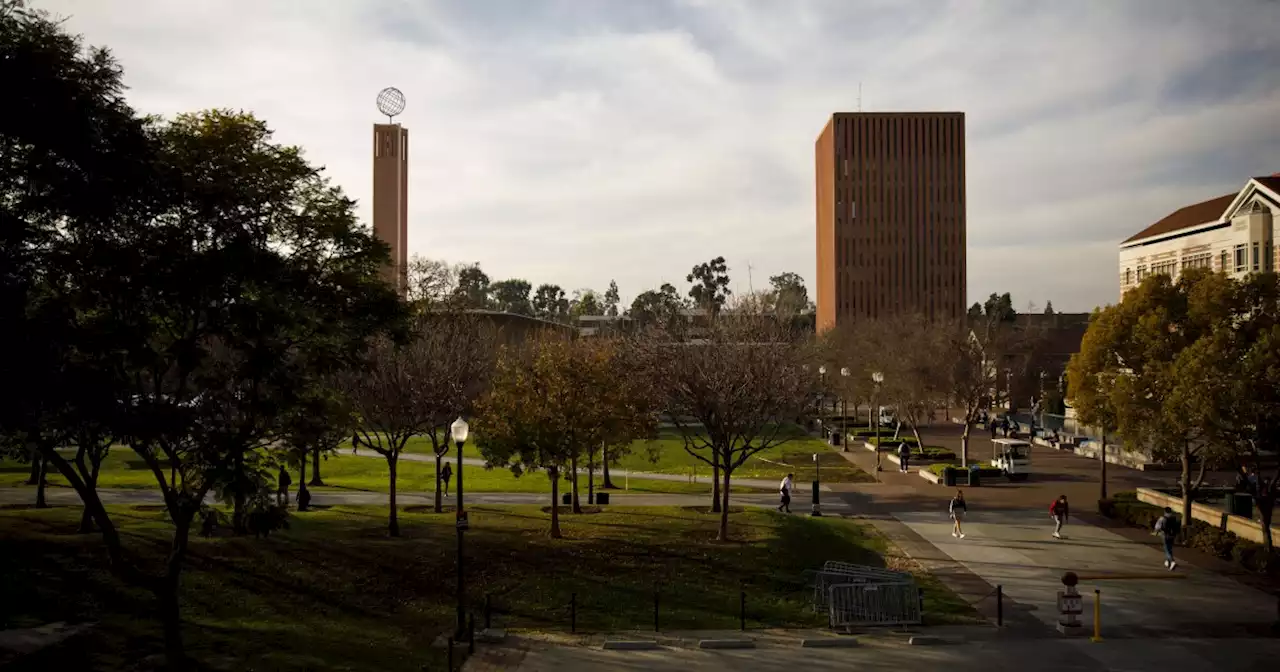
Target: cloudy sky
<point>578,141</point>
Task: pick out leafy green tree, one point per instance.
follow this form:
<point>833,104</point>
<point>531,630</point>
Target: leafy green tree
<point>511,296</point>
<point>473,290</point>
<point>611,299</point>
<point>710,285</point>
<point>1048,308</point>
<point>659,308</point>
<point>788,295</point>
<point>1090,373</point>
<point>1000,307</point>
<point>544,407</point>
<point>203,304</point>
<point>585,302</point>
<point>432,283</point>
<point>549,303</point>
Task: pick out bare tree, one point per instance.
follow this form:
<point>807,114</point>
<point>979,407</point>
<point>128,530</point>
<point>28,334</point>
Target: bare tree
<point>393,398</point>
<point>733,394</point>
<point>432,282</point>
<point>460,365</point>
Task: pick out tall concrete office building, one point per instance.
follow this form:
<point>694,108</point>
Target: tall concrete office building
<point>391,197</point>
<point>891,216</point>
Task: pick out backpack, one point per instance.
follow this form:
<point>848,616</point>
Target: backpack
<point>1170,526</point>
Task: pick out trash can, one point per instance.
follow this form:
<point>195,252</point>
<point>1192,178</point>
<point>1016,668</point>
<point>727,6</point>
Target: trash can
<point>1240,504</point>
<point>567,498</point>
<point>949,477</point>
<point>975,477</point>
<point>835,438</point>
<point>602,498</point>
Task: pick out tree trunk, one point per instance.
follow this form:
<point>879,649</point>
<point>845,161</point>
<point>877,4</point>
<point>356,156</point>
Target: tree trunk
<point>573,466</point>
<point>315,467</point>
<point>439,495</point>
<point>604,467</point>
<point>964,445</point>
<point>37,467</point>
<point>554,475</point>
<point>40,485</point>
<point>393,523</point>
<point>915,431</point>
<point>1186,486</point>
<point>591,481</point>
<point>1102,458</point>
<point>715,480</point>
<point>238,522</point>
<point>1266,507</point>
<point>723,534</point>
<point>86,518</point>
<point>167,593</point>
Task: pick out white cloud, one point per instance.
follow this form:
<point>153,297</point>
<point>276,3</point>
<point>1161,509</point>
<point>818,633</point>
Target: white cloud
<point>578,142</point>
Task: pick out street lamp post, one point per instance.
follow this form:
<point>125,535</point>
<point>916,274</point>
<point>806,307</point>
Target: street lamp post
<point>876,378</point>
<point>459,431</point>
<point>817,486</point>
<point>844,410</point>
<point>822,395</point>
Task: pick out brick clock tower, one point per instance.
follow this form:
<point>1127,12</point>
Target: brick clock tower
<point>391,186</point>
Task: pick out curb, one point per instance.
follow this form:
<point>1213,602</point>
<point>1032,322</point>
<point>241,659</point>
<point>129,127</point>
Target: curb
<point>829,643</point>
<point>624,645</point>
<point>925,640</point>
<point>726,644</point>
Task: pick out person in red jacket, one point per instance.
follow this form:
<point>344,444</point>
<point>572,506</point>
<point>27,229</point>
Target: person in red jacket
<point>1059,511</point>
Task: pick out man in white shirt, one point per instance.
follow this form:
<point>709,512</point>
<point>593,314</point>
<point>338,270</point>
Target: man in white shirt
<point>784,490</point>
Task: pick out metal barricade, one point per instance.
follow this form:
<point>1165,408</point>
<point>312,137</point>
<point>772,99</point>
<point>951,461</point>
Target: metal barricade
<point>834,573</point>
<point>873,604</point>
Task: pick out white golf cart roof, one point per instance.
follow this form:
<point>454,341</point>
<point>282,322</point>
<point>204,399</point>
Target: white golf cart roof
<point>1012,443</point>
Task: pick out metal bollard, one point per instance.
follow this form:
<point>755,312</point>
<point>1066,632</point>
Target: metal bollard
<point>999,606</point>
<point>471,634</point>
<point>1097,615</point>
<point>742,609</point>
<point>573,613</point>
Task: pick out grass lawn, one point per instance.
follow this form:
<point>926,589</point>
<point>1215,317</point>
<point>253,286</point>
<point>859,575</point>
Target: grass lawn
<point>124,469</point>
<point>334,593</point>
<point>794,456</point>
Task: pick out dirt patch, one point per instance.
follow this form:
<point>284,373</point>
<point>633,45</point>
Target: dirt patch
<point>428,508</point>
<point>707,509</point>
<point>569,509</point>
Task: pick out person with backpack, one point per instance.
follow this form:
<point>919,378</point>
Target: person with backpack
<point>445,474</point>
<point>957,509</point>
<point>1058,510</point>
<point>1168,527</point>
<point>904,456</point>
<point>784,494</point>
<point>282,494</point>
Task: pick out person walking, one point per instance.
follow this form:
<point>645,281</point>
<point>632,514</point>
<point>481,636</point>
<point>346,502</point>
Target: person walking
<point>1168,527</point>
<point>282,494</point>
<point>958,509</point>
<point>784,492</point>
<point>1059,510</point>
<point>904,456</point>
<point>445,475</point>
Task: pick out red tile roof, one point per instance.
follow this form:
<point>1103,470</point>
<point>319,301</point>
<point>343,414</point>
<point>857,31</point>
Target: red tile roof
<point>1192,215</point>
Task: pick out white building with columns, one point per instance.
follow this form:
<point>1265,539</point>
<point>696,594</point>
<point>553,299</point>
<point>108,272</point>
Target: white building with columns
<point>1234,233</point>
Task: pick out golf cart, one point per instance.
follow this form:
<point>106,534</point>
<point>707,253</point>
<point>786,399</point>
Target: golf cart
<point>1012,457</point>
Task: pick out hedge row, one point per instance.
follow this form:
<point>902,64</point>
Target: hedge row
<point>1126,508</point>
<point>984,471</point>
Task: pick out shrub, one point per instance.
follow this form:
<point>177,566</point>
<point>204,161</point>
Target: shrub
<point>887,441</point>
<point>1211,540</point>
<point>1125,507</point>
<point>932,453</point>
<point>984,470</point>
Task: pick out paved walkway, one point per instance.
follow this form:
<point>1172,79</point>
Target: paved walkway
<point>619,474</point>
<point>891,653</point>
<point>62,496</point>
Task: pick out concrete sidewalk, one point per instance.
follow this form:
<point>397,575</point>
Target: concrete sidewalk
<point>618,474</point>
<point>1015,550</point>
<point>62,496</point>
<point>890,653</point>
